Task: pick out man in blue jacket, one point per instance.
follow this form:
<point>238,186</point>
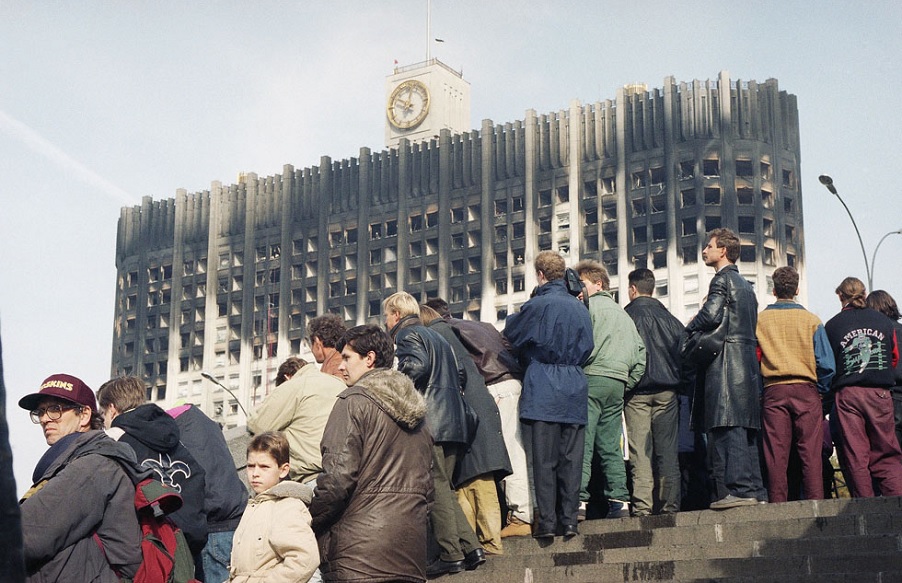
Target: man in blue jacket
<point>552,336</point>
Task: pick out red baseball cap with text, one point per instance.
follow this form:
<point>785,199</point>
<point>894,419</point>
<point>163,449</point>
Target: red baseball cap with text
<point>61,386</point>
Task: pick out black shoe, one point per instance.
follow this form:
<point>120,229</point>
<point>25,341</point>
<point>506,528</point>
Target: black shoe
<point>570,530</point>
<point>474,558</point>
<point>439,567</point>
<point>542,534</point>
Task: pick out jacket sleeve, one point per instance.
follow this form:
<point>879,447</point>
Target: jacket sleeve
<point>823,359</point>
<point>342,448</point>
<point>275,413</point>
<point>292,540</point>
<point>638,368</point>
<point>713,311</point>
<point>51,521</point>
<point>412,358</point>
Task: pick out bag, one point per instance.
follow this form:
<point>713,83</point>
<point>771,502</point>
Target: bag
<point>701,347</point>
<point>166,557</point>
<point>575,285</point>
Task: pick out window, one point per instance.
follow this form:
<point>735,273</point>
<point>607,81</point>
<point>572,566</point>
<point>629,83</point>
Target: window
<point>640,179</point>
<point>745,195</point>
<point>431,220</point>
<point>790,233</point>
<point>689,226</point>
<point>687,170</point>
<point>657,175</point>
<point>788,206</point>
<point>501,286</point>
<point>712,195</point>
<point>747,253</point>
<point>391,228</point>
<point>745,169</point>
<point>563,194</point>
<point>640,209</point>
<point>519,230</point>
<point>659,260</point>
<point>690,284</point>
<point>658,231</point>
<point>457,241</point>
<point>376,231</point>
<point>416,249</point>
<point>416,223</point>
<point>764,170</point>
<point>712,223</point>
<point>747,225</point>
<point>501,260</point>
<point>690,255</point>
<point>590,189</point>
<point>500,208</point>
<point>687,197</point>
<point>789,179</point>
<point>375,256</point>
<point>457,215</point>
<point>711,168</point>
<point>640,235</point>
<point>592,216</point>
<point>544,198</point>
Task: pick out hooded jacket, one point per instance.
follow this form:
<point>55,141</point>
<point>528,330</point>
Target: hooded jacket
<point>89,488</point>
<point>224,493</point>
<point>155,437</point>
<point>552,335</point>
<point>370,506</point>
<point>428,360</point>
<point>273,542</point>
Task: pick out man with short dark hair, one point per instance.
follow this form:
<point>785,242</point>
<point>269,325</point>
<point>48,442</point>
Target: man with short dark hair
<point>552,335</point>
<point>83,488</point>
<point>156,440</point>
<point>370,504</point>
<point>324,333</point>
<point>797,365</point>
<point>727,407</point>
<point>614,367</point>
<point>651,408</point>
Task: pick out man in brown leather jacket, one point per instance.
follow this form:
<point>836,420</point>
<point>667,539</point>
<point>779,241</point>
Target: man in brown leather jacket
<point>371,500</point>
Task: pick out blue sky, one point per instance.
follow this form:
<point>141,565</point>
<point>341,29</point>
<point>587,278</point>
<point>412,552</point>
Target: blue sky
<point>104,102</point>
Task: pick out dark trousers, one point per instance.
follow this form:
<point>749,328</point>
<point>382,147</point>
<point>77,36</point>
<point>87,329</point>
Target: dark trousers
<point>557,458</point>
<point>450,528</point>
<point>733,459</point>
<point>870,448</point>
<point>792,413</point>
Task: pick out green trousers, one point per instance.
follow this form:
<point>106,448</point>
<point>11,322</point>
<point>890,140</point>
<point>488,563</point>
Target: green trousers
<point>604,434</point>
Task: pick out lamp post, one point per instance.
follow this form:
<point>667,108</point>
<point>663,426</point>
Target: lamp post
<point>874,256</point>
<point>828,183</point>
<point>212,379</point>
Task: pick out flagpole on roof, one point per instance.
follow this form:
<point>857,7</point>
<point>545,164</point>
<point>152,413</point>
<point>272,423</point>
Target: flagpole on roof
<point>428,30</point>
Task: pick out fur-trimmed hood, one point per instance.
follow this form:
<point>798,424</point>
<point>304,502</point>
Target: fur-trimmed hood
<point>287,489</point>
<point>396,395</point>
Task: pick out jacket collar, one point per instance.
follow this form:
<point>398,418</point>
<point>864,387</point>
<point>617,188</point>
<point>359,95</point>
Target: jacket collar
<point>410,320</point>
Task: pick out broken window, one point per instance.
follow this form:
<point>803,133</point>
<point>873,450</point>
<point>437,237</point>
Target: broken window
<point>711,168</point>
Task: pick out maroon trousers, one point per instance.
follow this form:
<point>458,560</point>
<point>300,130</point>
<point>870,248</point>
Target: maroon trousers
<point>792,412</point>
<point>865,417</point>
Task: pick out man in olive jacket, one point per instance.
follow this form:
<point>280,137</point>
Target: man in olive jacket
<point>728,407</point>
<point>371,499</point>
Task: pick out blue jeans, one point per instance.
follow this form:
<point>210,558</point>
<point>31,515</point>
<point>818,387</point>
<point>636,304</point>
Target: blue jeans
<point>216,556</point>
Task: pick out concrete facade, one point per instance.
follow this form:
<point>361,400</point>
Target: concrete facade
<point>225,280</point>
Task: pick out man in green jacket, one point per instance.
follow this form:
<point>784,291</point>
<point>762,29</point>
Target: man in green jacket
<point>616,365</point>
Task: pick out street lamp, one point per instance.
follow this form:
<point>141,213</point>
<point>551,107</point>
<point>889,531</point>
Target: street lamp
<point>828,182</point>
<point>874,256</point>
<point>211,378</point>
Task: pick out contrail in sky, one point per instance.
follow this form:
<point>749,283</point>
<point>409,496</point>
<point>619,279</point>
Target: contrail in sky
<point>42,146</point>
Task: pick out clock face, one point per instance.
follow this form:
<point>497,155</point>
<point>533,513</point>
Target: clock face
<point>408,105</point>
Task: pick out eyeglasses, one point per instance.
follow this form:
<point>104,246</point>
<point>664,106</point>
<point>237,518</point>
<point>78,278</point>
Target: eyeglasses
<point>53,412</point>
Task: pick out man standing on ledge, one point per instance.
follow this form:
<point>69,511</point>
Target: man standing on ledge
<point>728,408</point>
<point>552,336</point>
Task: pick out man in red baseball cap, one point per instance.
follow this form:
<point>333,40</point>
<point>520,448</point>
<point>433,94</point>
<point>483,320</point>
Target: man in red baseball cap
<point>83,465</point>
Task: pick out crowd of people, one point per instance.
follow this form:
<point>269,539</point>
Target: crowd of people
<point>417,447</point>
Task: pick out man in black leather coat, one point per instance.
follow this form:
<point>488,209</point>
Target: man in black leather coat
<point>728,408</point>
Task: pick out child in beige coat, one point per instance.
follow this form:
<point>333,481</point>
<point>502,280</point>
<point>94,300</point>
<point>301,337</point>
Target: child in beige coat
<point>273,542</point>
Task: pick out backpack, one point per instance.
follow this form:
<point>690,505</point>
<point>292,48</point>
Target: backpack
<point>166,557</point>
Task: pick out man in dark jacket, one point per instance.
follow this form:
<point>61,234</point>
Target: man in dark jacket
<point>155,438</point>
<point>225,496</point>
<point>429,361</point>
<point>83,487</point>
<point>552,335</point>
<point>503,378</point>
<point>866,351</point>
<point>728,408</point>
<point>651,409</point>
<point>371,499</point>
<point>485,460</point>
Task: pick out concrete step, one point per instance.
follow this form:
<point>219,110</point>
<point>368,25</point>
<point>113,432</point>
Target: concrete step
<point>827,540</point>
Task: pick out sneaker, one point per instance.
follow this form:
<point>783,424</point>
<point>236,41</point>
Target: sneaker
<point>618,509</point>
<point>581,513</point>
<point>516,527</point>
<point>730,501</point>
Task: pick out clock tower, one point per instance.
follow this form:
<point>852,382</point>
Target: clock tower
<point>423,99</point>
